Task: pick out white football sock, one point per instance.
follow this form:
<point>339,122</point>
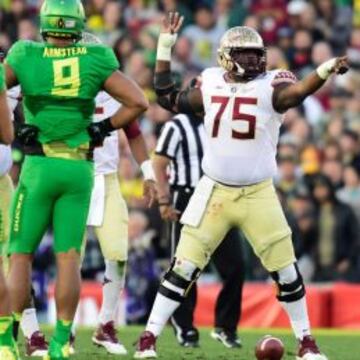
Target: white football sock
<point>73,329</point>
<point>165,307</point>
<point>29,322</point>
<point>113,284</point>
<point>161,312</point>
<point>299,319</point>
<point>296,310</point>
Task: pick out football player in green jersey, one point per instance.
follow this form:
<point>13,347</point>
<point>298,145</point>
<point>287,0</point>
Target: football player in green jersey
<point>60,79</point>
<point>8,348</point>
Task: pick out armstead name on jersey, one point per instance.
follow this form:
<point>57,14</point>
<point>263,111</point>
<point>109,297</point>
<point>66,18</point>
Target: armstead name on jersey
<point>64,52</point>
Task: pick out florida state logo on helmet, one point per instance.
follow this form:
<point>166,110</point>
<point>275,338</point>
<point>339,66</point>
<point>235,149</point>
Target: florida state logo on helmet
<point>242,51</point>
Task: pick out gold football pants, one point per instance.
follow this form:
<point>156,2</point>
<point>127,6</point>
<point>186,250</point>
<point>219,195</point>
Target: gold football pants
<point>256,210</point>
<point>113,233</point>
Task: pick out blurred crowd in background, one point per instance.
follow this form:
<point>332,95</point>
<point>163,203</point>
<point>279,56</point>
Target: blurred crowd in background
<point>319,152</point>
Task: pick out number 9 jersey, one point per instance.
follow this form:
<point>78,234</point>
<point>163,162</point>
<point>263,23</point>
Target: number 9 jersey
<point>242,127</point>
<point>59,86</point>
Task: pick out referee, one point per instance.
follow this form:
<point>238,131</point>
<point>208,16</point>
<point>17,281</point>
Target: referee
<point>177,165</point>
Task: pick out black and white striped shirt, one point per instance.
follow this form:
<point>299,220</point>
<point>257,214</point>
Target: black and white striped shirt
<point>182,141</point>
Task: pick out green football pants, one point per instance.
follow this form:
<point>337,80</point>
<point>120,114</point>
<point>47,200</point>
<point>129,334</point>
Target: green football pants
<point>6,191</point>
<point>51,192</point>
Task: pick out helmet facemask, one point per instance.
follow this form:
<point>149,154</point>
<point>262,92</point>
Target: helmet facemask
<point>248,63</point>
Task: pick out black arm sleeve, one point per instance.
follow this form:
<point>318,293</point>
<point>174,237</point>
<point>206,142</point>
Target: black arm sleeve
<point>170,97</point>
<point>165,90</point>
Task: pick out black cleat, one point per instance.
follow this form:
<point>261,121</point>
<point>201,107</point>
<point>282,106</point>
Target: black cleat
<point>186,337</point>
<point>229,339</point>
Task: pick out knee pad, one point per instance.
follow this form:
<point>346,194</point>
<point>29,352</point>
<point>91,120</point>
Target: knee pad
<point>290,284</point>
<point>178,279</point>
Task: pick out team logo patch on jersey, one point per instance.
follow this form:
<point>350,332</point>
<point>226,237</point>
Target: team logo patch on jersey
<point>284,77</point>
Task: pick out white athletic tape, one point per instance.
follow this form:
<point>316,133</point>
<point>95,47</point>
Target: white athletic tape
<point>165,43</point>
<point>326,68</point>
<point>147,170</point>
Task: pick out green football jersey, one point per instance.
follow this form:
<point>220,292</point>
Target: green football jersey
<point>59,86</point>
<point>2,78</point>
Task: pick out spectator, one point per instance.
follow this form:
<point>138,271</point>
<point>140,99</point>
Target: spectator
<point>204,36</point>
<point>272,15</point>
<point>295,10</point>
<point>350,147</point>
<point>333,169</point>
<point>332,151</point>
<point>301,56</point>
<point>230,12</point>
<point>350,193</point>
<point>288,175</point>
<point>335,23</point>
<point>276,59</point>
<point>27,30</point>
<point>306,231</point>
<point>337,233</point>
<point>284,41</point>
<point>112,20</point>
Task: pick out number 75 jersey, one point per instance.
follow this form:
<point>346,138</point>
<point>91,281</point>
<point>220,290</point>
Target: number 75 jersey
<point>59,86</point>
<point>242,127</point>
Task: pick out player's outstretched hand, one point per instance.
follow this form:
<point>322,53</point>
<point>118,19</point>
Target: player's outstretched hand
<point>172,23</point>
<point>149,192</point>
<point>341,65</point>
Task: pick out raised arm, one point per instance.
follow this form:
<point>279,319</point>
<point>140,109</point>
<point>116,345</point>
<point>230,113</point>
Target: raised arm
<point>286,95</point>
<point>188,101</point>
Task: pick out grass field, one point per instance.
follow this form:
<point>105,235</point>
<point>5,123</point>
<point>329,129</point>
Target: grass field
<point>338,345</point>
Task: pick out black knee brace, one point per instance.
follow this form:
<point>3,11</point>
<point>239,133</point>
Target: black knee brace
<point>174,286</point>
<point>292,291</point>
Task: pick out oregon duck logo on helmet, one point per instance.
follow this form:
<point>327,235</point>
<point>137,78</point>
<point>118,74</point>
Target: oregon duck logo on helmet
<point>62,18</point>
<point>61,23</point>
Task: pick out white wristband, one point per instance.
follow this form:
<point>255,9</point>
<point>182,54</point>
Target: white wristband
<point>147,170</point>
<point>165,43</point>
<point>326,69</point>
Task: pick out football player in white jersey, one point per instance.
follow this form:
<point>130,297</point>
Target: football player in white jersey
<point>109,216</point>
<point>242,105</point>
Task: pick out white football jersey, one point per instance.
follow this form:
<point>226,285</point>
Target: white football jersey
<point>13,97</point>
<point>242,127</point>
<point>107,157</point>
<point>5,159</point>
